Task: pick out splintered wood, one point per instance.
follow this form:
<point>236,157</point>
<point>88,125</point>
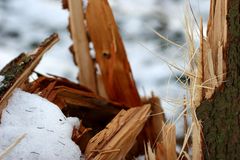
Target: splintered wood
<point>211,67</point>
<point>110,54</point>
<point>169,141</point>
<point>149,153</point>
<point>119,136</point>
<point>81,53</point>
<point>212,59</point>
<point>18,70</point>
<point>114,78</point>
<point>152,129</point>
<point>218,24</point>
<point>76,100</point>
<point>197,140</point>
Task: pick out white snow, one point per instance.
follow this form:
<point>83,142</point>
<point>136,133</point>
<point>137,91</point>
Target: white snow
<point>48,131</point>
<point>1,79</point>
<point>85,4</point>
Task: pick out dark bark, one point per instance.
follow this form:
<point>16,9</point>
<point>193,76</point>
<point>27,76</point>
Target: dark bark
<point>221,114</point>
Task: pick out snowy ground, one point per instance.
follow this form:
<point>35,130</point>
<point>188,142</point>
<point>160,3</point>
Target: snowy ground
<point>21,29</point>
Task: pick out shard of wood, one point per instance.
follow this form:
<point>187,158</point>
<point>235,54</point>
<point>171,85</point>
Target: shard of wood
<point>119,136</point>
<point>87,73</point>
<point>110,54</point>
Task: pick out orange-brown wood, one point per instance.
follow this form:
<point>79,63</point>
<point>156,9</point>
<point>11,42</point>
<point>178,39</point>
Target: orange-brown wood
<point>110,54</point>
<point>116,140</point>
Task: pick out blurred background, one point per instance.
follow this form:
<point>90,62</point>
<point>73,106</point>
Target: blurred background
<point>25,23</point>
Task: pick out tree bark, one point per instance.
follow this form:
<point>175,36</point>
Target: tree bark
<point>220,115</point>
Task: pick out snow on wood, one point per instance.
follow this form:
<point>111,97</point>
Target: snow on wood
<point>76,99</point>
<point>48,131</point>
<point>73,99</point>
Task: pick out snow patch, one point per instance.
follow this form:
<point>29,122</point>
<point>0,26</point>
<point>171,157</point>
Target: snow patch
<point>85,4</point>
<point>48,131</point>
<point>1,79</point>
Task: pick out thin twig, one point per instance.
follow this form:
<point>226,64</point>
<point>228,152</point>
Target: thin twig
<point>9,148</point>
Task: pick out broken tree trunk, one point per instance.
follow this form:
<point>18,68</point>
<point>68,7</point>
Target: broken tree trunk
<point>221,112</point>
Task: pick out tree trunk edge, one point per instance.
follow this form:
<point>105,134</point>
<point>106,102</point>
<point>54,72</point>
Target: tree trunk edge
<point>221,113</point>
